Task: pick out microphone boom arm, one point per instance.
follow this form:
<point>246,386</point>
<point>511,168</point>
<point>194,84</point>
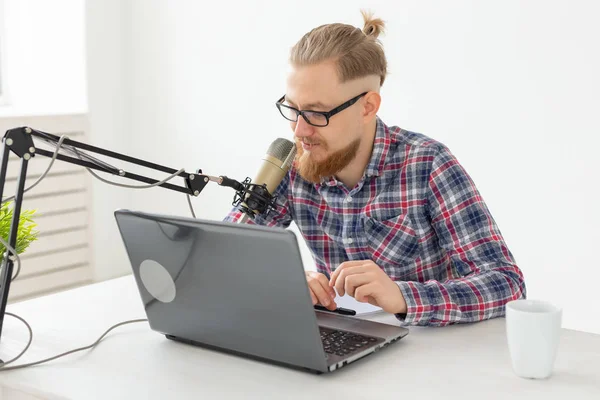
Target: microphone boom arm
<point>20,142</point>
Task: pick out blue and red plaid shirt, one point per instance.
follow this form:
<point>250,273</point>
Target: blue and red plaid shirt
<point>417,214</point>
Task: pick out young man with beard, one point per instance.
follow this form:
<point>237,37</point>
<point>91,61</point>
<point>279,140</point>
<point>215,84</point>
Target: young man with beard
<point>390,216</point>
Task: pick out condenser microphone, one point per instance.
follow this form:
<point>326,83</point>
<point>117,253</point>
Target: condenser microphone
<point>276,163</point>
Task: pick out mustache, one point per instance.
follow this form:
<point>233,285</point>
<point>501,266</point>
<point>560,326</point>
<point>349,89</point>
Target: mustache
<point>308,141</point>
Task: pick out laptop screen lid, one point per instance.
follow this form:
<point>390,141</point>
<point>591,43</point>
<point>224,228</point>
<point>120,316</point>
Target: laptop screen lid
<point>240,288</point>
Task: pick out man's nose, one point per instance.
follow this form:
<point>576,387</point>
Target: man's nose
<point>303,128</point>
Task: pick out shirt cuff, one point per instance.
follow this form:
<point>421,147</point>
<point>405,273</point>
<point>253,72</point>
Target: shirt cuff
<point>419,308</point>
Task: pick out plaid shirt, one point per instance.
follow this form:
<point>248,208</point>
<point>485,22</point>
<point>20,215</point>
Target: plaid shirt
<point>417,214</point>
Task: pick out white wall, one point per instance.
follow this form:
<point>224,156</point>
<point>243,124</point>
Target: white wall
<point>3,90</point>
<point>44,57</point>
<point>108,46</point>
<point>511,87</point>
<point>59,56</point>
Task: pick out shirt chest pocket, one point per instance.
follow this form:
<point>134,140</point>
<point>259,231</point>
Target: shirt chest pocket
<point>392,242</point>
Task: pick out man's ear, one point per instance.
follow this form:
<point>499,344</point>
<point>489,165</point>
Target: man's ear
<point>371,103</point>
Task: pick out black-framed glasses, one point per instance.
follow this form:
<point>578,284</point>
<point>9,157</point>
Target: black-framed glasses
<point>315,118</point>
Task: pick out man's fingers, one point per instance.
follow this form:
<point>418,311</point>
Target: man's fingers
<point>332,306</point>
<point>325,284</point>
<point>322,295</point>
<point>365,293</point>
<point>312,296</point>
<point>355,281</point>
<point>342,267</point>
<point>340,282</point>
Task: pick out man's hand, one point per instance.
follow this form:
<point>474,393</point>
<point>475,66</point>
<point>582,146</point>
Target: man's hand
<point>367,282</point>
<point>320,290</point>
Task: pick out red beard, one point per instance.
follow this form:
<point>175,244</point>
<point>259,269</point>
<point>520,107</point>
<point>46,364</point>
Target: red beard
<point>314,171</point>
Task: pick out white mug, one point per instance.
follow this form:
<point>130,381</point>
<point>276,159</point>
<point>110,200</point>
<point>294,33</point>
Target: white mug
<point>532,330</point>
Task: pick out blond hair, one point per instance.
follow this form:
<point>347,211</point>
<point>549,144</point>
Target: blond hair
<point>357,53</point>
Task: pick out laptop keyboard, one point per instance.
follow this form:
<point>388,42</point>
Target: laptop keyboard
<point>343,343</point>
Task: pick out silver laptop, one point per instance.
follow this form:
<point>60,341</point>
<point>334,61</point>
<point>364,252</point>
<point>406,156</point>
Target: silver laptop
<point>240,289</point>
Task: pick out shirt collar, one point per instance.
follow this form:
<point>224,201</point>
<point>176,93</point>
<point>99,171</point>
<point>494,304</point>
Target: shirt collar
<point>381,147</point>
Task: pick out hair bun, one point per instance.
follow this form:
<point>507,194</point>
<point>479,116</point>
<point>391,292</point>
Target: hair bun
<point>373,26</point>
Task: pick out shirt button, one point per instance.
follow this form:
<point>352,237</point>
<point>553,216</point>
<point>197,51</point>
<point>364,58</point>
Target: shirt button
<point>348,199</point>
<point>349,241</point>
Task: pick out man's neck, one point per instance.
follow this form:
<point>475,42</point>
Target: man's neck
<point>354,171</point>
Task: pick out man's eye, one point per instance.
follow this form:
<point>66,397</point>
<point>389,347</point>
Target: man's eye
<point>316,118</point>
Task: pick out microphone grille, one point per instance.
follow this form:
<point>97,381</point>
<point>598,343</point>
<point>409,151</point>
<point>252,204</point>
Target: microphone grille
<point>283,150</point>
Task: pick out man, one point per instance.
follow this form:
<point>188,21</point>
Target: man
<point>390,216</point>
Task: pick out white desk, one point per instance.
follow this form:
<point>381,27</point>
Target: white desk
<point>133,362</point>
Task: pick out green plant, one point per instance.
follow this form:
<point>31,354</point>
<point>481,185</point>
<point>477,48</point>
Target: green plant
<point>26,233</point>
